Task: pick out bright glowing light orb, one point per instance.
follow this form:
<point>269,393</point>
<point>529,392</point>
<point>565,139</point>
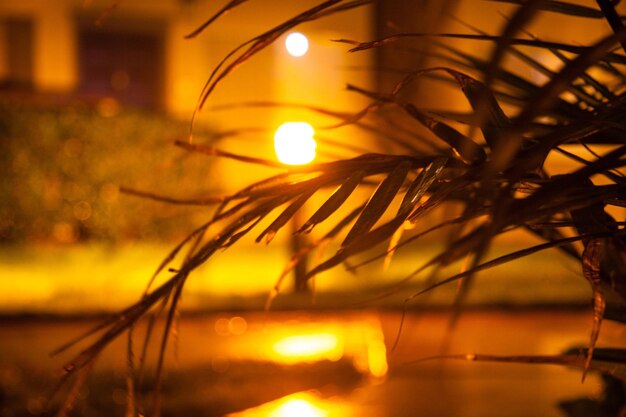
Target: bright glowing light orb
<point>297,44</point>
<point>294,143</point>
<point>297,407</point>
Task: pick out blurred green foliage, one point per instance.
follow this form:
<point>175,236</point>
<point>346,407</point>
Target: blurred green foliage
<point>62,166</point>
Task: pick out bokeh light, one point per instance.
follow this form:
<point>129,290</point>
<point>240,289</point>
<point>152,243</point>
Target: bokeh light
<point>297,44</point>
<point>294,143</point>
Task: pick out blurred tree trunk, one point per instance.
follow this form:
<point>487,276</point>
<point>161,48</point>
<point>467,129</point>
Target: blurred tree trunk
<point>399,16</point>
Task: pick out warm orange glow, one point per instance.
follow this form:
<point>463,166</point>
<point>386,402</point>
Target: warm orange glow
<point>294,143</point>
<point>310,347</point>
<point>297,407</point>
<point>300,404</point>
<point>233,326</point>
<point>377,358</point>
<point>297,44</point>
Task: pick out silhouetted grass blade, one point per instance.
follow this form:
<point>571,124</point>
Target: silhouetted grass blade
<point>482,100</point>
<point>285,216</point>
<point>380,201</point>
<point>421,184</point>
<point>464,148</point>
<point>563,8</point>
<point>334,202</point>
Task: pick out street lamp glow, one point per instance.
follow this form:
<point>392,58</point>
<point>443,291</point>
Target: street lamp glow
<point>297,44</point>
<point>294,143</point>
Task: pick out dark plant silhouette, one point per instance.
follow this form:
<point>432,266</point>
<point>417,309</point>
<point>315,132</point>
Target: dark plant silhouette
<point>497,179</point>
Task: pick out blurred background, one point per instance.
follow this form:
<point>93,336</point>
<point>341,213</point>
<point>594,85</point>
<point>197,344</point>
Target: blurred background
<point>93,95</point>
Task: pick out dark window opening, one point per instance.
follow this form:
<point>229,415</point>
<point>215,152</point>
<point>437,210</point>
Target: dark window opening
<point>124,64</point>
<point>17,34</point>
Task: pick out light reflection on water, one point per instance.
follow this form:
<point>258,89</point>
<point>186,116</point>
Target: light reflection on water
<point>357,340</point>
<point>309,347</point>
<point>298,407</point>
<point>360,341</point>
<point>301,404</point>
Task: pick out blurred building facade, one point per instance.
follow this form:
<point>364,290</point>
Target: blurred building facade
<point>135,51</point>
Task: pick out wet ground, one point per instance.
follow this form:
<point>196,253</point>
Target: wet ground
<point>318,364</point>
